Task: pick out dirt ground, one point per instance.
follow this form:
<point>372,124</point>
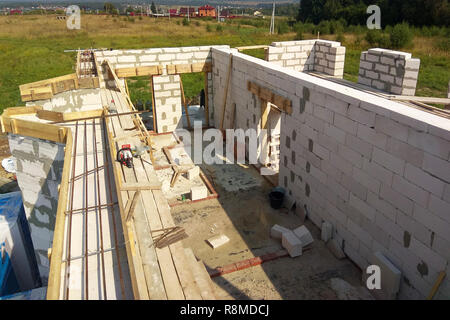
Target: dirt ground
<point>243,213</point>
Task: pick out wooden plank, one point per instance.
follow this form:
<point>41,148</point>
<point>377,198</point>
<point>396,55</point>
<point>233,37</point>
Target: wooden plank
<point>265,109</point>
<point>206,100</point>
<point>146,268</point>
<point>227,84</point>
<point>135,186</point>
<point>203,281</point>
<point>436,285</point>
<point>54,280</point>
<point>184,104</point>
<point>131,205</point>
<point>185,275</point>
<point>139,285</point>
<point>50,115</point>
<point>435,100</point>
<point>264,46</point>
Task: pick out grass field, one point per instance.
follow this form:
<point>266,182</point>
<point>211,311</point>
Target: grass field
<point>32,49</point>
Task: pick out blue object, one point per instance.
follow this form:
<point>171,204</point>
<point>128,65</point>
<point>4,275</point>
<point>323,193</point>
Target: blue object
<point>8,279</point>
<point>14,226</point>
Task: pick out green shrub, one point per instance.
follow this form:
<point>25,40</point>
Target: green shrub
<point>282,28</point>
<point>377,38</point>
<point>186,22</point>
<point>443,44</point>
<point>336,26</point>
<point>197,23</point>
<point>219,28</point>
<point>324,27</point>
<point>340,38</point>
<point>401,36</point>
<point>208,28</point>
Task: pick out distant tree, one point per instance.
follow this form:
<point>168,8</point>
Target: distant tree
<point>109,7</point>
<point>153,7</point>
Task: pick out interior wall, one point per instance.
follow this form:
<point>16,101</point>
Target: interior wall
<point>323,56</point>
<point>377,170</point>
<point>160,57</point>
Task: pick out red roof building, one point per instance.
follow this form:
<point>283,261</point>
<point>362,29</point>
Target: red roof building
<point>184,11</point>
<point>207,11</point>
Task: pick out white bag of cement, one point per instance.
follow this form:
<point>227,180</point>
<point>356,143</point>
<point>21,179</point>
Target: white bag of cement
<point>9,165</point>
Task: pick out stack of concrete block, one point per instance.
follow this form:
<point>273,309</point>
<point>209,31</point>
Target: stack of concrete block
<point>39,170</point>
<point>292,240</point>
<point>377,171</point>
<point>309,55</point>
<point>389,71</point>
<point>297,55</point>
<point>167,90</point>
<point>329,58</point>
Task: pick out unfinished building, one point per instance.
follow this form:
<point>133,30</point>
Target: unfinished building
<point>367,161</point>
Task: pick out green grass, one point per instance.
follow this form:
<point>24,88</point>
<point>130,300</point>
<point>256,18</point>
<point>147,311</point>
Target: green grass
<point>32,49</point>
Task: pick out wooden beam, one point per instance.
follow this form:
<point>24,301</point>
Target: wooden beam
<point>206,100</point>
<point>268,95</point>
<point>435,100</point>
<point>438,282</point>
<point>131,205</point>
<point>227,84</point>
<point>184,104</point>
<point>159,70</point>
<point>263,46</point>
<point>136,186</point>
<point>54,280</point>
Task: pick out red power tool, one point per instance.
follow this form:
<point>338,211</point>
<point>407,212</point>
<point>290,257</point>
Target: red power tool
<point>125,156</point>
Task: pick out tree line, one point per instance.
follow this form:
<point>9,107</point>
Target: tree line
<point>415,12</point>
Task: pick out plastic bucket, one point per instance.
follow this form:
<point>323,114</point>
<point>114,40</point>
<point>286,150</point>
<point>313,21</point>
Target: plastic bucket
<point>276,197</point>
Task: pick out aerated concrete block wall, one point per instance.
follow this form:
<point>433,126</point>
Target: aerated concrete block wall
<point>71,101</point>
<point>323,56</point>
<point>159,56</point>
<point>39,170</point>
<point>379,172</point>
<point>390,71</point>
<point>168,103</point>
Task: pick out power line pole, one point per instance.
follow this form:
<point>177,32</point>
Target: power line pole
<point>272,21</point>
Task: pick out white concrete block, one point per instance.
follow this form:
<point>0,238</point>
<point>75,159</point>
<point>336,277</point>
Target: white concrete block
<point>277,231</point>
<point>198,193</point>
<point>424,180</point>
<point>304,235</point>
<point>218,241</point>
<point>327,231</point>
<point>292,244</point>
<point>388,161</point>
<point>193,173</point>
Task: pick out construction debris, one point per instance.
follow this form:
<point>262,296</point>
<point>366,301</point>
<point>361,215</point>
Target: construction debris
<point>327,231</point>
<point>198,193</point>
<point>218,241</point>
<point>292,244</point>
<point>277,231</point>
<point>304,235</point>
